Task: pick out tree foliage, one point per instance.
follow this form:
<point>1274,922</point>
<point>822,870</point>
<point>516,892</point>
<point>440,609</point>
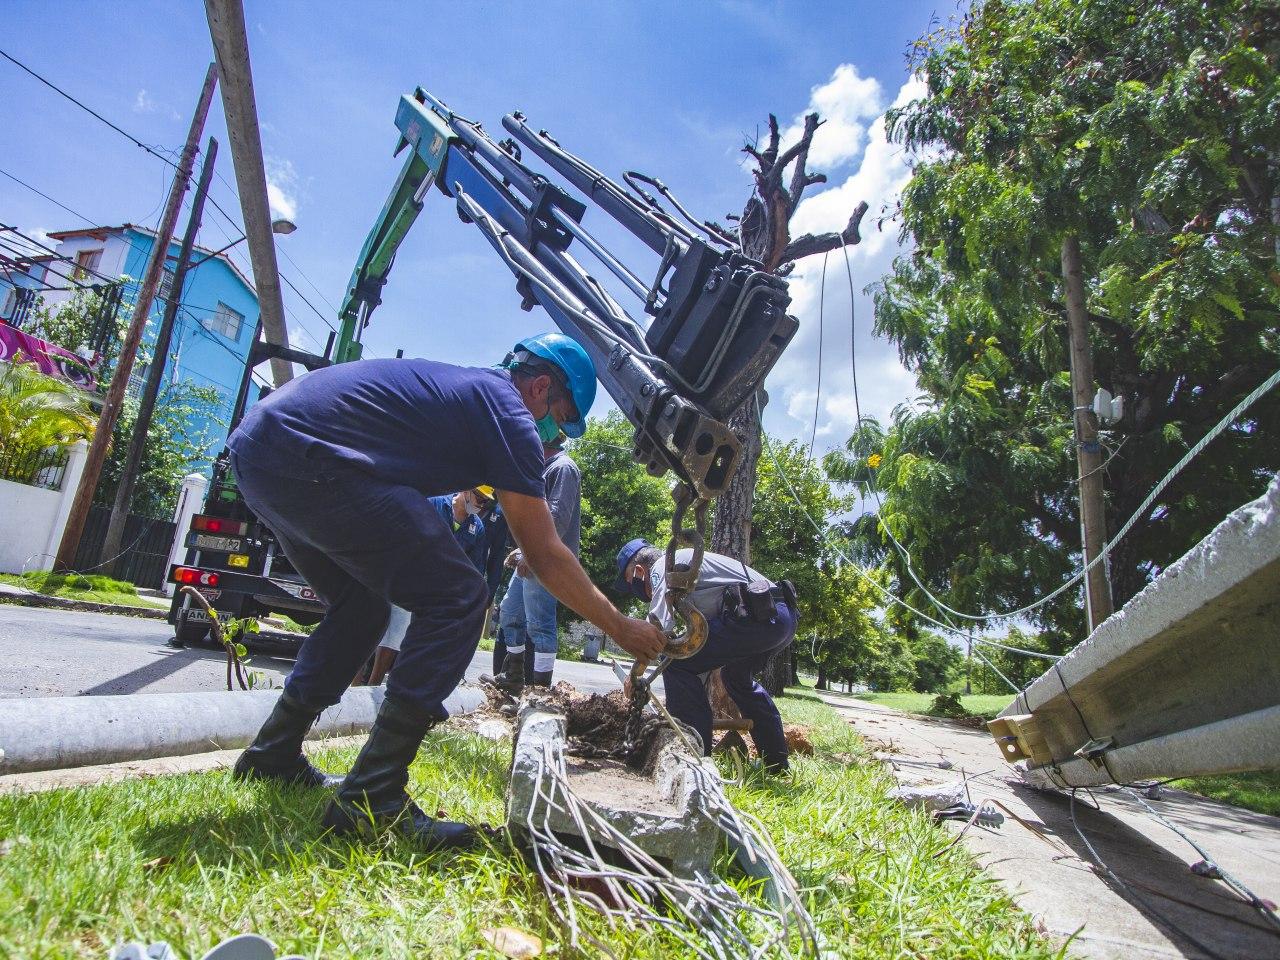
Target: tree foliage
<point>1151,132</point>
<point>620,501</point>
<point>173,448</point>
<point>38,411</point>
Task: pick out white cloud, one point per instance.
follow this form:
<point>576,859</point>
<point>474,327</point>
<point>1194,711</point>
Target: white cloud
<point>845,102</point>
<point>882,381</point>
<point>282,185</point>
<point>143,103</point>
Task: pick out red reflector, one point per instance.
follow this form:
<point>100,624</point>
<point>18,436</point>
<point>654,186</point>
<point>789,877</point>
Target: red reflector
<point>201,578</point>
<point>237,528</point>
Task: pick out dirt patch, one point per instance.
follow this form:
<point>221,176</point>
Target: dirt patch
<point>797,736</point>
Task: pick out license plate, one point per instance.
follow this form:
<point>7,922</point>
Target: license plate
<point>196,613</point>
<point>209,541</point>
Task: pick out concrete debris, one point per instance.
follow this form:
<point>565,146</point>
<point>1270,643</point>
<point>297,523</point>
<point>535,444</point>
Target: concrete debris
<point>929,797</point>
<point>661,813</point>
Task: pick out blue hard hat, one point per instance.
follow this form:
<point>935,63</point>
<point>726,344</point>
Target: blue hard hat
<point>579,372</point>
<point>627,556</point>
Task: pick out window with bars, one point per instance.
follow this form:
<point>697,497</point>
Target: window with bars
<point>225,321</point>
<point>86,263</point>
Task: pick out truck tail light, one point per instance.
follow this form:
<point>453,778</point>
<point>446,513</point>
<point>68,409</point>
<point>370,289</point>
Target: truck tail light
<point>234,528</point>
<point>194,577</point>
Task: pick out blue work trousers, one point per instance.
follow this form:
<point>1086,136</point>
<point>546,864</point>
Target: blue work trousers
<point>528,617</point>
<point>741,649</point>
<point>363,544</point>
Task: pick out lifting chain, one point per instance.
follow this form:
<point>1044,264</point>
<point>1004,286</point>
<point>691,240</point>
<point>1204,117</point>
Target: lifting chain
<point>681,580</point>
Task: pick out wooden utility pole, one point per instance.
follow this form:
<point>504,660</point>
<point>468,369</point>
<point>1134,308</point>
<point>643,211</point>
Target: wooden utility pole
<point>133,336</point>
<point>110,558</point>
<point>1093,518</point>
<point>231,47</point>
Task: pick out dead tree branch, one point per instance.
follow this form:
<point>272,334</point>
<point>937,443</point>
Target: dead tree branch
<point>812,243</point>
<point>764,228</point>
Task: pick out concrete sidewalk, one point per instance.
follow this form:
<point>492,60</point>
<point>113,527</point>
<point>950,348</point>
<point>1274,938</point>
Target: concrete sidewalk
<point>1167,911</point>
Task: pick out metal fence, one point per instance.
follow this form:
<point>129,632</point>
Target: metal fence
<point>40,467</point>
<point>147,540</point>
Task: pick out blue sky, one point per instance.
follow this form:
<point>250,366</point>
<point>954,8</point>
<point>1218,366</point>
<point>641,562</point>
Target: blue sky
<point>670,88</point>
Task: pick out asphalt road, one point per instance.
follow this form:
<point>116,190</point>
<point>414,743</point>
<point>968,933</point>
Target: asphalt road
<point>55,653</point>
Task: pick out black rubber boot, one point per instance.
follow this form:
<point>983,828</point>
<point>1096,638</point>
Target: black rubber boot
<point>276,753</point>
<point>511,679</point>
<point>541,678</point>
<point>373,797</point>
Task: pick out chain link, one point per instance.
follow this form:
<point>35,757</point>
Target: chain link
<point>681,579</point>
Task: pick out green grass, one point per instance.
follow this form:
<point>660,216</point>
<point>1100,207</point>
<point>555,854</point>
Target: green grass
<point>979,704</point>
<point>194,858</point>
<point>76,586</point>
<point>1253,791</point>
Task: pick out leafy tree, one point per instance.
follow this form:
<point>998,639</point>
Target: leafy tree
<point>620,501</point>
<point>38,412</point>
<point>1020,669</point>
<point>1145,134</point>
<point>173,448</point>
<point>92,317</point>
<point>935,663</point>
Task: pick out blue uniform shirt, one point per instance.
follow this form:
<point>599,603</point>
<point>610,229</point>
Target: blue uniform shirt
<point>427,425</point>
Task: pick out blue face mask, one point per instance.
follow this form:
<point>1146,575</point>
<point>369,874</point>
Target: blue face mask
<point>640,587</point>
<point>548,429</point>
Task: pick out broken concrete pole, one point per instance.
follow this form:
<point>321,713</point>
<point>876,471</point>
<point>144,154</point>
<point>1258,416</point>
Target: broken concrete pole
<point>1183,681</point>
<point>660,812</point>
<point>54,733</point>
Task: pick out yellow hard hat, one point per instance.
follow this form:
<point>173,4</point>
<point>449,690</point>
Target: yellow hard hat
<point>486,490</point>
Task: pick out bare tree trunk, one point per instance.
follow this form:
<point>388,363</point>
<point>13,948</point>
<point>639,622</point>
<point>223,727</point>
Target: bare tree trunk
<point>731,529</point>
<point>764,234</point>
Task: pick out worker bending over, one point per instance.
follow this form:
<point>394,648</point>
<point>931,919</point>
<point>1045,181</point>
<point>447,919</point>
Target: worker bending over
<point>748,618</point>
<point>339,464</point>
<point>527,616</point>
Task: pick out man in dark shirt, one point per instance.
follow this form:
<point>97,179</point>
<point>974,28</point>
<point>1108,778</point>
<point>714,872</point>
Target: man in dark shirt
<point>340,464</point>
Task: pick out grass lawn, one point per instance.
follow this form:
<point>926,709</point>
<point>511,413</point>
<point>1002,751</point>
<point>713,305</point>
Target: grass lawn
<point>980,704</point>
<point>193,858</point>
<point>1253,791</point>
<point>75,586</point>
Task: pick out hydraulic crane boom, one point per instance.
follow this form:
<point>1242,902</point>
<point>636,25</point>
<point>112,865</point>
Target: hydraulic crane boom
<point>719,319</point>
<point>719,324</point>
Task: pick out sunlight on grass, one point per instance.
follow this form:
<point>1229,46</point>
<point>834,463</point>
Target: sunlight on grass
<point>76,586</point>
<point>980,704</point>
<point>193,858</point>
<point>1254,791</point>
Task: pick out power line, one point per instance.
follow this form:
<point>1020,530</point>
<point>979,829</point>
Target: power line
<point>87,109</point>
<point>47,197</point>
<point>817,396</point>
<point>167,160</point>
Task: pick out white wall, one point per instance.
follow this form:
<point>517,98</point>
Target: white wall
<point>32,518</point>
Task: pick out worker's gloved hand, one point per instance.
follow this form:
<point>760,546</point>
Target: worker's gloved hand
<point>641,639</point>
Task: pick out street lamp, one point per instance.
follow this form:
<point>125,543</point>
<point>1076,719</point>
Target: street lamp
<point>283,226</point>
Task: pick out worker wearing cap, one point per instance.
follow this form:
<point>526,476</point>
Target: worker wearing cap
<point>340,464</point>
<point>527,616</point>
<point>748,618</point>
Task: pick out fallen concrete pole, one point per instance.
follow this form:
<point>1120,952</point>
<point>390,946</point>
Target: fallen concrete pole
<point>56,733</point>
<point>1183,681</point>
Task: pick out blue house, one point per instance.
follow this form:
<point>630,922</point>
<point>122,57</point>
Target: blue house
<point>215,324</point>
